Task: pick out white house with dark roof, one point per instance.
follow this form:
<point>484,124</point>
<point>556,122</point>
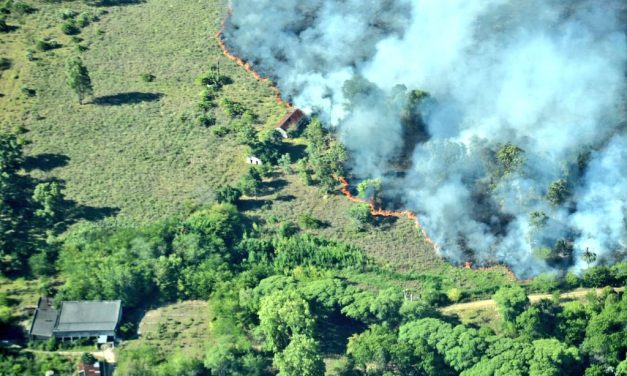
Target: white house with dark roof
<point>78,319</point>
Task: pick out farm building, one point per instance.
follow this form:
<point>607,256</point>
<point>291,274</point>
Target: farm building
<point>45,318</point>
<point>76,319</point>
<point>290,121</point>
<point>253,160</point>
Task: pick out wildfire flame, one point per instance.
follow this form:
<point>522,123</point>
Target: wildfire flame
<point>246,66</point>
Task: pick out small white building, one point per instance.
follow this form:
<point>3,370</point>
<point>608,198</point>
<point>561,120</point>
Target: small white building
<point>253,160</point>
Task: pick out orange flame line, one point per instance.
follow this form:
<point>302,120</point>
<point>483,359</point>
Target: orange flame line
<point>384,213</point>
<point>246,66</point>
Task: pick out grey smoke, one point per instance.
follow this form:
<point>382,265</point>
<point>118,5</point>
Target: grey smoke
<point>545,75</point>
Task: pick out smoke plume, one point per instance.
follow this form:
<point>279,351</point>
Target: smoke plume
<point>517,155</point>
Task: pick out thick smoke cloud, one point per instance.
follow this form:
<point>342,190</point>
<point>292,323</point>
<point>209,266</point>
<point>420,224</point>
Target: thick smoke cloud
<point>547,76</point>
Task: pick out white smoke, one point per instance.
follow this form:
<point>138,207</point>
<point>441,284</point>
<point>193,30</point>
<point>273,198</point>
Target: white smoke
<point>545,75</point>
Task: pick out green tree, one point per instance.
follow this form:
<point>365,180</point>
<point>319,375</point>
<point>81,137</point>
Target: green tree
<point>361,215</point>
<point>251,182</point>
<point>553,358</point>
<point>369,189</point>
<point>228,194</point>
<point>538,321</point>
<point>48,196</point>
<point>606,337</point>
<point>282,315</point>
<point>138,361</point>
<point>12,250</point>
<point>78,79</point>
<point>300,358</point>
<point>557,192</point>
<point>510,157</point>
<point>285,162</point>
<point>182,365</point>
<point>371,349</point>
<point>589,257</point>
<point>511,302</point>
<point>572,322</point>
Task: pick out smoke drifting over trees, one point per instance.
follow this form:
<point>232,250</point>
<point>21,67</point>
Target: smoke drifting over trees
<point>519,152</point>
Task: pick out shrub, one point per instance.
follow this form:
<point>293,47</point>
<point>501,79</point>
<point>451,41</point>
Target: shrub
<point>46,45</point>
<point>545,283</point>
<point>85,18</point>
<point>4,64</point>
<point>307,221</point>
<point>147,77</point>
<point>232,108</point>
<point>228,194</point>
<point>21,8</point>
<point>571,280</point>
<point>87,358</point>
<point>221,131</point>
<point>598,276</point>
<point>4,28</point>
<point>68,14</point>
<point>454,294</point>
<point>28,91</point>
<point>205,120</point>
<point>69,28</point>
<point>361,215</point>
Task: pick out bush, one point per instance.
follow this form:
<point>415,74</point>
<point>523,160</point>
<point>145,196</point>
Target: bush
<point>28,91</point>
<point>232,108</point>
<point>69,28</point>
<point>21,8</point>
<point>619,272</point>
<point>221,131</point>
<point>205,120</point>
<point>87,358</point>
<point>545,283</point>
<point>598,276</point>
<point>85,18</point>
<point>46,45</point>
<point>4,64</point>
<point>68,14</point>
<point>228,194</point>
<point>454,294</point>
<point>4,28</point>
<point>361,215</point>
<point>307,221</point>
<point>147,77</point>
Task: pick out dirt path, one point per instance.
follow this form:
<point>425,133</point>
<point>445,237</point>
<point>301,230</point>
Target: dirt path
<point>533,298</point>
<point>107,355</point>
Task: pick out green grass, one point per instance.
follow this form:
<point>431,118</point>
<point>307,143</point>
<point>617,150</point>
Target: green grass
<point>140,159</point>
<point>23,295</point>
<point>181,327</point>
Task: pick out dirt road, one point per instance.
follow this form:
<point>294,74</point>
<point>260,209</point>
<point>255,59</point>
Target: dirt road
<point>490,304</point>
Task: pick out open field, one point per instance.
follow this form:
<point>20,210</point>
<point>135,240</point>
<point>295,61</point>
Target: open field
<point>181,327</point>
<point>130,152</point>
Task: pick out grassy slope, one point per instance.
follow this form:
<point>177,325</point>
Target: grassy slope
<point>140,158</point>
<point>181,327</point>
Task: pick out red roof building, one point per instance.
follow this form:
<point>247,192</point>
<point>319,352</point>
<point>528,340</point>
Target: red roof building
<point>291,120</point>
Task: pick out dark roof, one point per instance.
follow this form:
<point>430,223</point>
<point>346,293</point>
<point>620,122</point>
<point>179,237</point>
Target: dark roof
<point>89,316</point>
<point>45,318</point>
<point>290,119</point>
